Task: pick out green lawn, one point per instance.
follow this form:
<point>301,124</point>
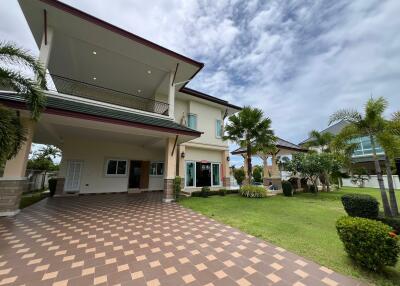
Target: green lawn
<point>304,224</point>
<point>31,198</point>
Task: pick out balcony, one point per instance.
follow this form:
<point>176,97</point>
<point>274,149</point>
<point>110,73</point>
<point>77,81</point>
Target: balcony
<point>106,95</point>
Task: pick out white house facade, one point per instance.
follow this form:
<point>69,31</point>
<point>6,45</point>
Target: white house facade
<point>118,107</point>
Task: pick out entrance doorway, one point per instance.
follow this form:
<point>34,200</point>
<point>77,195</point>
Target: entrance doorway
<point>203,174</point>
<point>134,174</point>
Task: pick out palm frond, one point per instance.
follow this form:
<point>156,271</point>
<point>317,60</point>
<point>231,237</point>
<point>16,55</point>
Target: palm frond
<point>350,115</point>
<point>12,54</point>
<point>27,87</point>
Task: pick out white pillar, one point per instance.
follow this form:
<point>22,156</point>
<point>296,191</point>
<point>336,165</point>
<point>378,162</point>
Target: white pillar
<point>171,96</point>
<point>45,48</point>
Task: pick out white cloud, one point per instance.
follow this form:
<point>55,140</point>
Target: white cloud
<point>297,60</point>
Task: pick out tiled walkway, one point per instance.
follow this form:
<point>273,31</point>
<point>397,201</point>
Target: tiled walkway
<point>137,240</point>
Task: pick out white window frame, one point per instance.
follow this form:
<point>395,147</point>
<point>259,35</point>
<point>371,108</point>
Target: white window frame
<point>116,175</point>
<point>195,174</point>
<point>194,177</point>
<point>212,174</point>
<point>195,115</point>
<point>216,129</point>
<point>157,175</point>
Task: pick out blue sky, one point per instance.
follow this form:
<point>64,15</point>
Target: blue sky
<point>297,60</point>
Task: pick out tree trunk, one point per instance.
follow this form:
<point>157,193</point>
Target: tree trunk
<point>392,194</point>
<point>43,179</point>
<point>328,187</point>
<point>249,167</point>
<point>385,201</point>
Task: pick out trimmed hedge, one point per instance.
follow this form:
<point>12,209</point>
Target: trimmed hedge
<point>287,189</point>
<point>369,243</point>
<point>360,205</point>
<point>215,193</point>
<point>52,186</point>
<point>177,187</point>
<point>250,191</point>
<point>394,222</point>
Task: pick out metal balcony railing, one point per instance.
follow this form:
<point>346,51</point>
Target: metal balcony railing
<point>107,95</point>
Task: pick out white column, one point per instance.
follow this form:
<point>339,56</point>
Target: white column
<point>45,49</point>
<point>171,96</point>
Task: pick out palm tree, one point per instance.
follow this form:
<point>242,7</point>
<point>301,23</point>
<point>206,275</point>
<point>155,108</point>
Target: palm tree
<point>369,124</point>
<point>12,134</point>
<point>248,129</point>
<point>320,140</point>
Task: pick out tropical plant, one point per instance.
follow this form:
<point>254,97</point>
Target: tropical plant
<point>311,166</point>
<point>177,183</point>
<point>320,140</point>
<point>239,175</point>
<point>373,125</point>
<point>249,129</point>
<point>250,191</point>
<point>12,134</point>
<point>258,174</point>
<point>43,160</point>
<point>360,176</point>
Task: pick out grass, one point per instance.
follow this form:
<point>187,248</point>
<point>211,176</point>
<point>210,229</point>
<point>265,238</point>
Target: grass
<point>31,198</point>
<point>304,224</point>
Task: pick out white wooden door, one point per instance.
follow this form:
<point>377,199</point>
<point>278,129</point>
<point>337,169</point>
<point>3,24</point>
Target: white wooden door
<point>73,179</point>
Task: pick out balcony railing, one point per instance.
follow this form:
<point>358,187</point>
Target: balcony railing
<point>107,95</point>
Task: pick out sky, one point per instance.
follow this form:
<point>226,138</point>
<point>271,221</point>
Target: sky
<point>299,61</point>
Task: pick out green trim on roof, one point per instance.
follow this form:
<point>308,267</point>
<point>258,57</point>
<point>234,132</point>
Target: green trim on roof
<point>104,112</point>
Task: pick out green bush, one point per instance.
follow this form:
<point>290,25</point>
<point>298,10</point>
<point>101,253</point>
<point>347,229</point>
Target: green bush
<point>204,192</point>
<point>394,222</point>
<point>177,183</point>
<point>222,192</point>
<point>52,186</point>
<point>214,193</point>
<point>369,243</point>
<point>287,188</point>
<point>250,191</point>
<point>360,205</point>
<point>239,175</point>
<point>312,189</point>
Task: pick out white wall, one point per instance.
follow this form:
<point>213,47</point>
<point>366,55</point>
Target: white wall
<point>94,155</point>
<point>373,182</point>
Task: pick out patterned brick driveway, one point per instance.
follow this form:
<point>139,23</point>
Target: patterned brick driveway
<point>137,240</point>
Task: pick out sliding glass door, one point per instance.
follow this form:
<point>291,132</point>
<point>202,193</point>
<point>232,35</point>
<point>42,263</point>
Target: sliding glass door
<point>199,174</point>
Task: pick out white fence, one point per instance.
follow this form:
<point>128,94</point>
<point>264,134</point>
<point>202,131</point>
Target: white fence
<point>373,182</point>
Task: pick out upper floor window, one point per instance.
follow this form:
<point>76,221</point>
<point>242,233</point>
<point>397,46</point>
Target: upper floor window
<point>192,121</point>
<point>218,128</point>
<point>157,169</point>
<point>364,147</point>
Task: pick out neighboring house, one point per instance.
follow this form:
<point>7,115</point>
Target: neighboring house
<point>118,108</point>
<point>362,156</point>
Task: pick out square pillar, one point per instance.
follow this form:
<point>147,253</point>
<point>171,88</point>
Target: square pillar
<point>225,172</point>
<point>171,150</point>
<point>275,178</point>
<point>14,183</point>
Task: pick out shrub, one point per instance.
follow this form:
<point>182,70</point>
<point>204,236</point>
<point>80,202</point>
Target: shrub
<point>312,189</point>
<point>239,175</point>
<point>204,192</point>
<point>394,222</point>
<point>251,191</point>
<point>214,193</point>
<point>369,243</point>
<point>177,183</point>
<point>287,188</point>
<point>222,192</point>
<point>360,205</point>
<point>52,186</point>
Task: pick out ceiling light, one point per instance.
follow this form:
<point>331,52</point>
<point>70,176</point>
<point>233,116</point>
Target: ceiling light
<point>139,90</point>
<point>149,71</point>
<point>94,78</point>
<point>94,52</point>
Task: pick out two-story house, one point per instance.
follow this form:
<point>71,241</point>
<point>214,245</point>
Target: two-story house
<point>118,108</point>
<point>362,155</point>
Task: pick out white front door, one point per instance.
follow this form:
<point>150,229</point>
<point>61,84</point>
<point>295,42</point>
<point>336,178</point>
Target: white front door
<point>73,179</point>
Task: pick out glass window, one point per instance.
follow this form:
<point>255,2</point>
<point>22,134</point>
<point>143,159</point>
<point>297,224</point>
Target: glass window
<point>157,169</point>
<point>116,167</point>
<point>216,181</point>
<point>192,121</point>
<point>190,174</point>
<point>218,128</point>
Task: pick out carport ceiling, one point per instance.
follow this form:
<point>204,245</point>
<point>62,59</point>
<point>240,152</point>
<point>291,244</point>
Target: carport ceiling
<point>85,48</point>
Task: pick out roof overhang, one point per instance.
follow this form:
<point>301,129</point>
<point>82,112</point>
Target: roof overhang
<point>284,148</point>
<point>122,60</point>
